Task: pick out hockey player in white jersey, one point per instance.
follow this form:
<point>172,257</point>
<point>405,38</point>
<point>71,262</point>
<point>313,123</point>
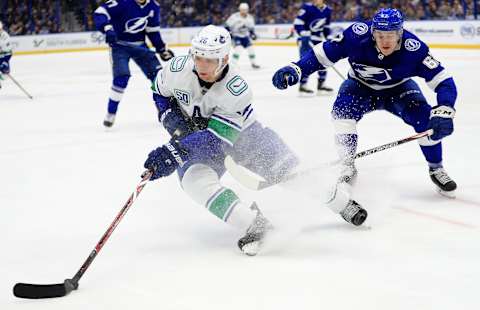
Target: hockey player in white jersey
<point>5,52</point>
<point>242,29</point>
<point>206,107</point>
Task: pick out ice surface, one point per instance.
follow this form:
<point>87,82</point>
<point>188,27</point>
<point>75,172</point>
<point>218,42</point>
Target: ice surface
<point>64,178</point>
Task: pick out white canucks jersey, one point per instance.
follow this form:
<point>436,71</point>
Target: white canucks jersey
<point>240,26</point>
<point>227,104</point>
<point>5,47</point>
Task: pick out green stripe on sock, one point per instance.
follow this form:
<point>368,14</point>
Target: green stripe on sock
<point>220,205</point>
<point>223,130</point>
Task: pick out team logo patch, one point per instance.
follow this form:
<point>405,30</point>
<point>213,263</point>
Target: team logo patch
<point>182,96</point>
<point>369,73</point>
<point>412,45</point>
<point>317,25</point>
<point>237,85</point>
<point>178,63</point>
<point>360,28</point>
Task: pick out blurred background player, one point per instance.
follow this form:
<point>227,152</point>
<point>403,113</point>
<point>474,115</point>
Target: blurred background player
<point>242,29</point>
<point>312,27</point>
<point>5,52</point>
<point>125,24</point>
<point>383,58</point>
<point>207,108</point>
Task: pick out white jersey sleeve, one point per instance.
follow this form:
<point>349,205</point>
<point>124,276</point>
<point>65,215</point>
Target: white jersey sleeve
<point>5,46</point>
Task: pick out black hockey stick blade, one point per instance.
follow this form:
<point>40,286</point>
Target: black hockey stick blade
<point>38,291</point>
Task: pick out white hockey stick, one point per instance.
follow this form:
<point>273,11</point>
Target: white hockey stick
<point>254,182</point>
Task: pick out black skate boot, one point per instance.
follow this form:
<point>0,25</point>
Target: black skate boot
<point>445,185</point>
<point>354,213</point>
<point>305,91</point>
<point>109,120</point>
<point>323,90</point>
<point>251,242</point>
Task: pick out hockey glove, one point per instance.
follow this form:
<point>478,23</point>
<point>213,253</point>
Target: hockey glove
<point>164,160</point>
<point>5,67</point>
<point>111,36</point>
<point>253,36</point>
<point>441,121</point>
<point>286,76</point>
<point>166,54</point>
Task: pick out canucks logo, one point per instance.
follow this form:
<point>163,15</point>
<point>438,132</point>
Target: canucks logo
<point>237,85</point>
<point>368,73</point>
<point>136,25</point>
<point>318,24</point>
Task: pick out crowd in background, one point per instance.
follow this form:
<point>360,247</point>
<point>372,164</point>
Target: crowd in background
<point>22,17</point>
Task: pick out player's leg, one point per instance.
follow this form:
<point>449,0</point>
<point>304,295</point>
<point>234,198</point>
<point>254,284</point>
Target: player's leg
<point>247,44</point>
<point>148,62</point>
<point>237,49</point>
<point>200,179</point>
<point>262,151</point>
<point>303,89</point>
<point>322,89</point>
<point>119,58</point>
<point>410,104</point>
<point>352,102</point>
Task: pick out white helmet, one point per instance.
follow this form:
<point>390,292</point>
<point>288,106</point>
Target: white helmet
<point>243,6</point>
<point>212,42</point>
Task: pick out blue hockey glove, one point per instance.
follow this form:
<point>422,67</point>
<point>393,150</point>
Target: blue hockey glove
<point>110,36</point>
<point>166,54</point>
<point>164,160</point>
<point>286,76</point>
<point>5,67</point>
<point>441,121</point>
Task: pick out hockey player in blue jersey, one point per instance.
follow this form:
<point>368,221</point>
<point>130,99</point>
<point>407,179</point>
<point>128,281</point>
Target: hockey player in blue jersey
<point>312,27</point>
<point>383,58</point>
<point>125,24</point>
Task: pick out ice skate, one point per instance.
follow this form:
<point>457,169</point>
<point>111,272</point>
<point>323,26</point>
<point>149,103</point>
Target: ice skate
<point>323,90</point>
<point>445,185</point>
<point>354,213</point>
<point>304,91</point>
<point>109,120</point>
<point>255,66</point>
<point>251,242</point>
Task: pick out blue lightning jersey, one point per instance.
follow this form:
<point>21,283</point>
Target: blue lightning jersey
<point>131,21</point>
<point>370,67</point>
<point>313,22</point>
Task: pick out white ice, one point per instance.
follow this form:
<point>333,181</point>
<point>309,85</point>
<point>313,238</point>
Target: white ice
<point>64,178</point>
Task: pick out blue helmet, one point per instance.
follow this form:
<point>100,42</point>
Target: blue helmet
<point>388,20</point>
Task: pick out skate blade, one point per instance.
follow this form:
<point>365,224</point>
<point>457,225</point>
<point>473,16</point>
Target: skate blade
<point>450,194</point>
<point>252,248</point>
<point>321,93</point>
<point>306,95</point>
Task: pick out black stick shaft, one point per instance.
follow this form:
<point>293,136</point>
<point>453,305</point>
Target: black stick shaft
<point>146,176</point>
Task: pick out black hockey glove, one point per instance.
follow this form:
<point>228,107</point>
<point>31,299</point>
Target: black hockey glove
<point>163,161</point>
<point>166,54</point>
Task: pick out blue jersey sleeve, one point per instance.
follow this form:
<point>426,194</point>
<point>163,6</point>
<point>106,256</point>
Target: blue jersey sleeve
<point>153,29</point>
<point>103,15</point>
<point>437,78</point>
<point>300,22</point>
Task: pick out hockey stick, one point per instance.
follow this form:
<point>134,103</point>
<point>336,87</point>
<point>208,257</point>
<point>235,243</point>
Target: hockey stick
<point>37,291</point>
<point>252,181</point>
<point>19,86</point>
<point>133,46</point>
<point>290,35</point>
